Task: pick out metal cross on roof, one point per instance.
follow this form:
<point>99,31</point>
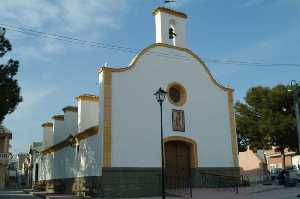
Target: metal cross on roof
<point>169,2</point>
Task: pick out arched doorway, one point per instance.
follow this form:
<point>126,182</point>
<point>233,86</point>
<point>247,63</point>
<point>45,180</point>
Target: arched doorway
<point>178,164</point>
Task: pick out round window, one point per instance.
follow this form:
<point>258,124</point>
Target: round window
<point>176,94</point>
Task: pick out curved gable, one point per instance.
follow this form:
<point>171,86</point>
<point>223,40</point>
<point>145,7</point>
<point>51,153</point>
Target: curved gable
<point>147,49</point>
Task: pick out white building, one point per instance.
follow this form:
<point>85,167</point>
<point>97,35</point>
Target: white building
<point>296,162</point>
<point>5,155</point>
<point>110,145</point>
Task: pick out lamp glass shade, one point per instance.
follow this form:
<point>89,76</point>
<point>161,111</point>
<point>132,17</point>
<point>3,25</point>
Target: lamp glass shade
<point>160,95</point>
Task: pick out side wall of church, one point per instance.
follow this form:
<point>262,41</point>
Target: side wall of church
<point>136,114</point>
<point>74,161</point>
<point>70,163</point>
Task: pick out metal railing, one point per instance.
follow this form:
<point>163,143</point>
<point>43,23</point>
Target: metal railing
<point>5,156</point>
<point>220,182</point>
<point>180,185</point>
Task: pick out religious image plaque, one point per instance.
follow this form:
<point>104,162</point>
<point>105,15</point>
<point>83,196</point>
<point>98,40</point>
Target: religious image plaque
<point>178,122</point>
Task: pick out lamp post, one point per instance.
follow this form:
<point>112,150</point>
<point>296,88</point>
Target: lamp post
<point>294,89</point>
<point>160,97</point>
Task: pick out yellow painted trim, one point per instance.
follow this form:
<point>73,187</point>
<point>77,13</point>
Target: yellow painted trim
<point>58,117</point>
<point>144,51</point>
<point>88,97</point>
<point>70,140</point>
<point>47,125</point>
<point>86,133</point>
<point>169,11</point>
<point>107,86</point>
<point>70,109</point>
<point>233,129</point>
<point>56,147</point>
<point>192,143</point>
<point>183,94</point>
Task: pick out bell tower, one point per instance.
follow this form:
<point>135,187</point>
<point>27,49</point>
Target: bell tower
<point>170,26</point>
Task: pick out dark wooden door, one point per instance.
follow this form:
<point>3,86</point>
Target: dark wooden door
<point>177,156</point>
<point>36,173</point>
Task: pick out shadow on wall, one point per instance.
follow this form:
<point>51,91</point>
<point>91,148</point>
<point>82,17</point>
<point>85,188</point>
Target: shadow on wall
<point>72,161</point>
<point>88,158</point>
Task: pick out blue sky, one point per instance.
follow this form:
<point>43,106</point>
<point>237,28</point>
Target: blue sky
<point>52,72</point>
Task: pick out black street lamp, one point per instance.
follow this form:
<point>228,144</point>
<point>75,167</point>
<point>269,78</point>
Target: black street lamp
<point>294,89</point>
<point>160,97</point>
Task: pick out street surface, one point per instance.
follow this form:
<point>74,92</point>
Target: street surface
<point>15,194</point>
<point>253,192</point>
<point>272,192</point>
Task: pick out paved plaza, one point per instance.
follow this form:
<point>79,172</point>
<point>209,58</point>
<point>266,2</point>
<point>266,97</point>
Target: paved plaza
<point>15,194</point>
<point>253,192</point>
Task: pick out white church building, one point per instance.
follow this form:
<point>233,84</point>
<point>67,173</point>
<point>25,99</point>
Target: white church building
<point>109,145</point>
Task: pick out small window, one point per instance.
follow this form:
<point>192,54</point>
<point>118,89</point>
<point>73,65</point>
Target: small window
<point>176,94</point>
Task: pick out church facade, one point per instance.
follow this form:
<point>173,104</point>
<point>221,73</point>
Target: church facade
<point>109,145</point>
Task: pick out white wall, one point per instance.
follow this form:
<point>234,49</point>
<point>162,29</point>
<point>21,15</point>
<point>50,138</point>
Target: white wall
<point>89,157</point>
<point>45,167</point>
<point>296,161</point>
<point>89,153</point>
<point>68,162</point>
<point>88,114</point>
<point>47,137</point>
<point>71,123</point>
<point>162,25</point>
<point>136,116</point>
<point>58,131</point>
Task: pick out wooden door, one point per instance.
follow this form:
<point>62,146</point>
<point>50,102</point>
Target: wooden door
<point>36,174</point>
<point>178,164</point>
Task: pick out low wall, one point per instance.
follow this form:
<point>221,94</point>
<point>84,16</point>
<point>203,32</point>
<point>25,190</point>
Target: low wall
<point>215,176</point>
<point>131,182</point>
<point>127,182</point>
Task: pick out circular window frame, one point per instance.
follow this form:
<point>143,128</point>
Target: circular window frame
<point>183,94</point>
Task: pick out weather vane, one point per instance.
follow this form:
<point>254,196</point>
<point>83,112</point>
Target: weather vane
<point>169,2</point>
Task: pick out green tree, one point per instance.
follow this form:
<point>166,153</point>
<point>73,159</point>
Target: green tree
<point>9,89</point>
<point>266,118</point>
